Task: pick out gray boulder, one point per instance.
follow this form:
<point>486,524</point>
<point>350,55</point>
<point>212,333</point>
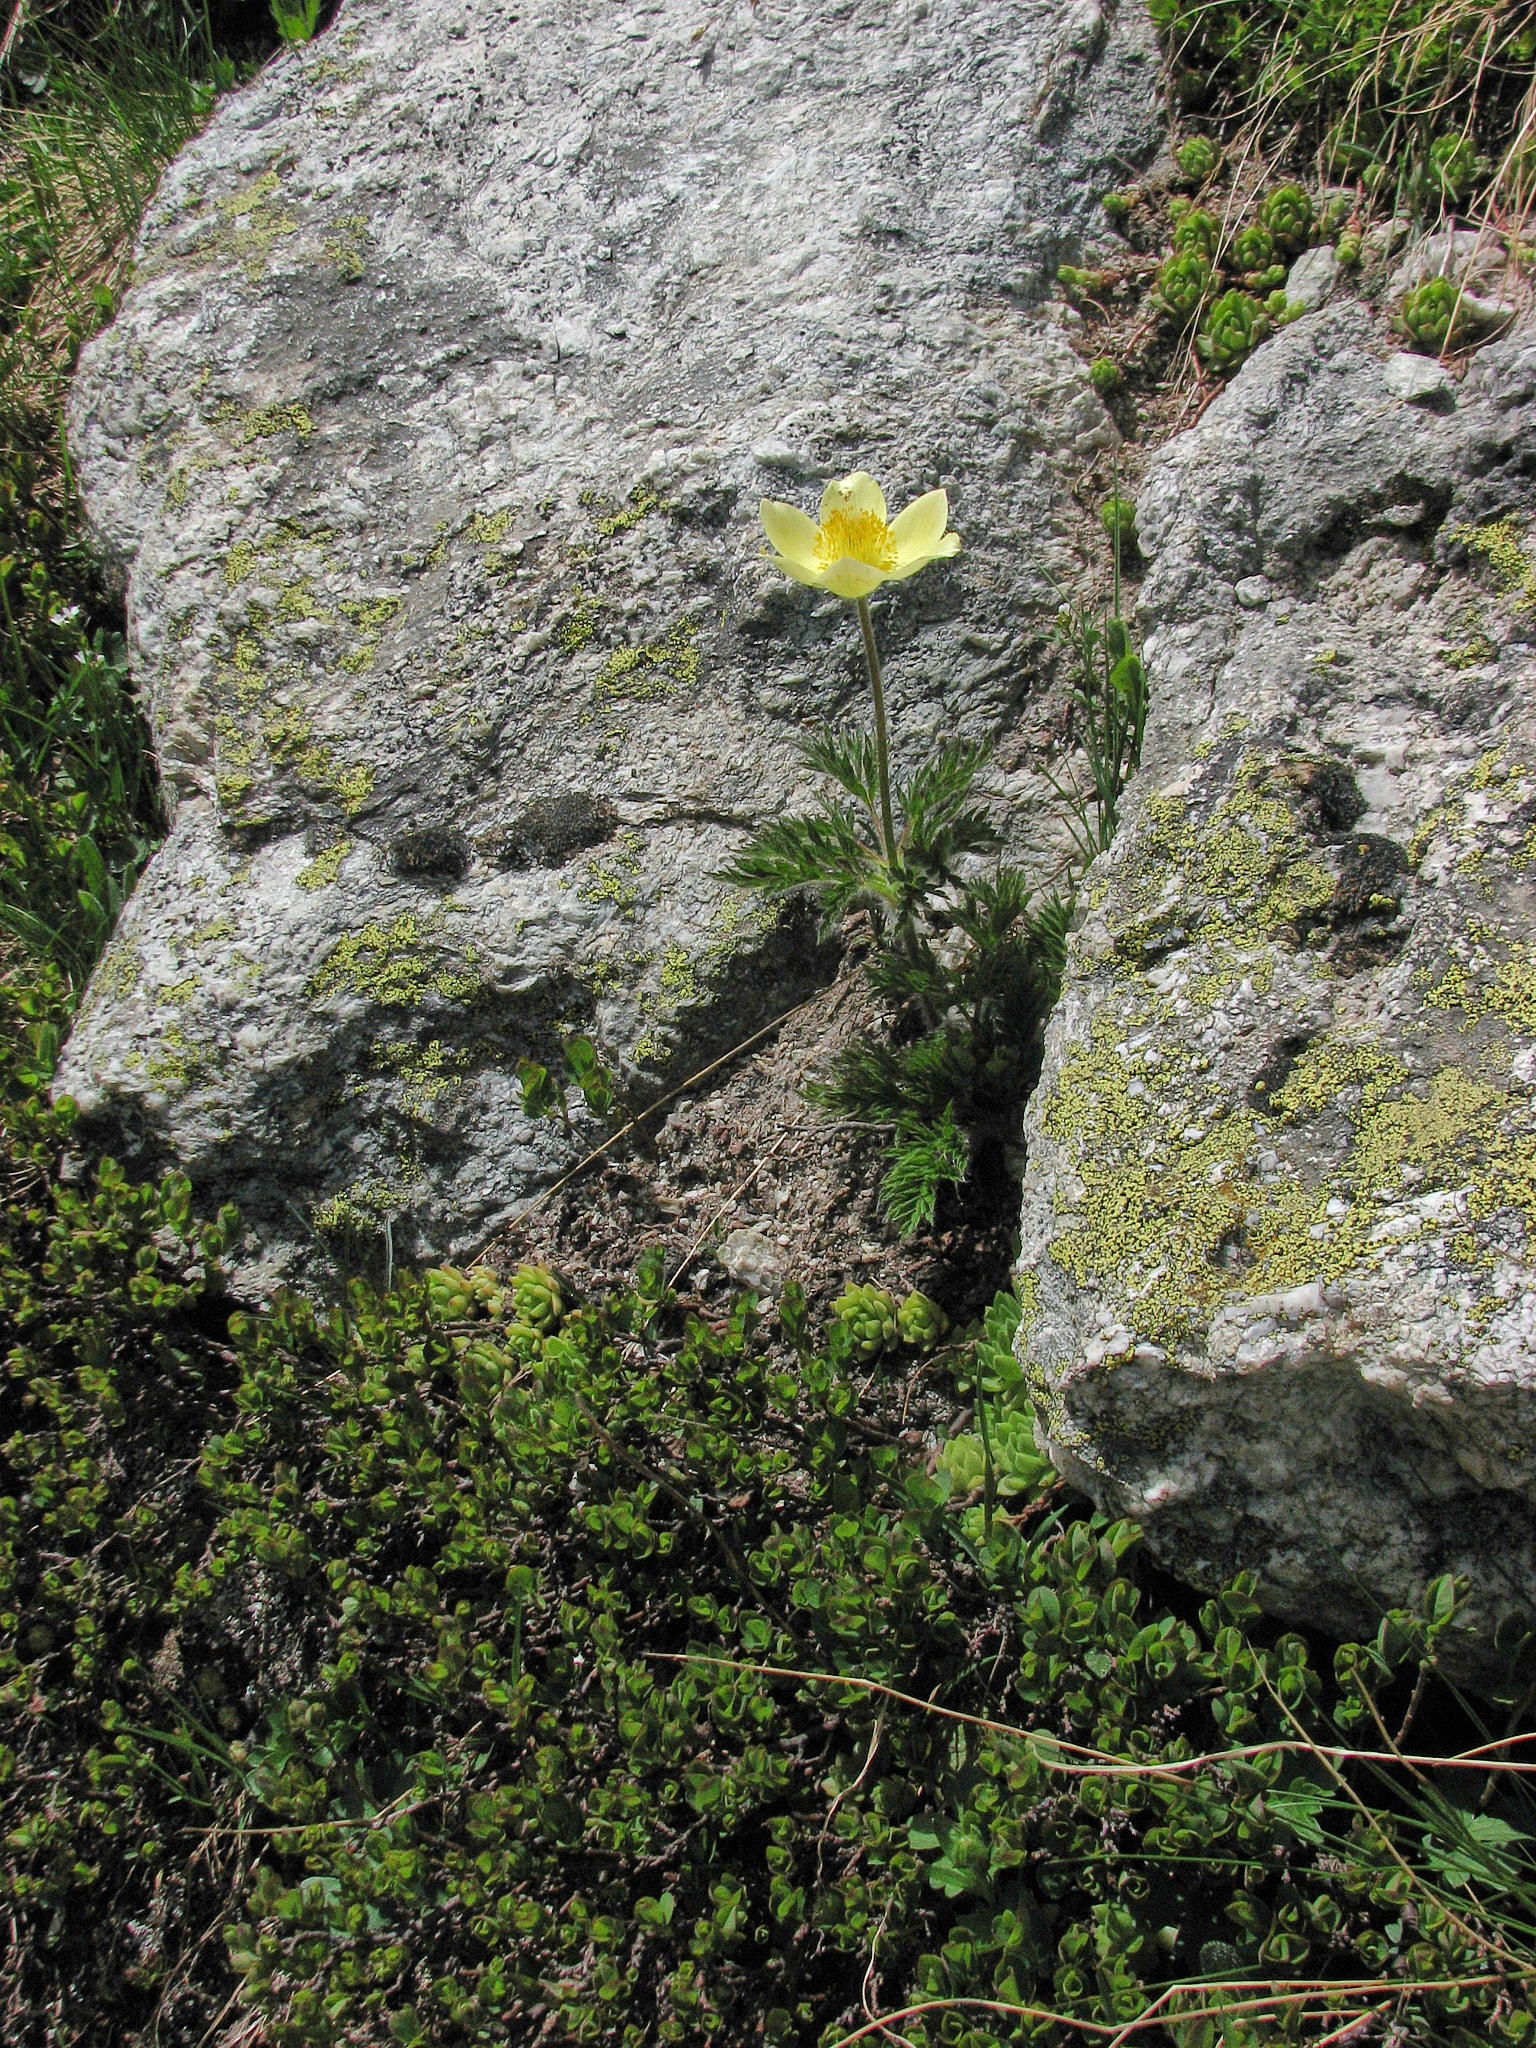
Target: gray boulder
<point>1281,1199</point>
<point>429,440</point>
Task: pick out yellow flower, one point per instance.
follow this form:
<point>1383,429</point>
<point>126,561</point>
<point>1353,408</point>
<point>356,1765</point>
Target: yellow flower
<point>853,551</point>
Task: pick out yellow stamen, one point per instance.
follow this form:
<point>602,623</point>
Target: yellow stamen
<point>855,536</point>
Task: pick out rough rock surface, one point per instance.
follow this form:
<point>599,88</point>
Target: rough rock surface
<point>1279,1215</point>
<point>460,349</point>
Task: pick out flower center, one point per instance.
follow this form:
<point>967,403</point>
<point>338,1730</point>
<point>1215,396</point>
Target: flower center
<point>856,537</point>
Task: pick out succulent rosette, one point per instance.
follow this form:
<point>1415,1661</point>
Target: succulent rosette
<point>1182,285</point>
<point>869,1315</point>
<point>1235,324</point>
<point>921,1321</point>
<point>1288,215</point>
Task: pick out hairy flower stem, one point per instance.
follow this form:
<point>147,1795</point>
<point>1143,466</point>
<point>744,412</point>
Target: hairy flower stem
<point>882,748</point>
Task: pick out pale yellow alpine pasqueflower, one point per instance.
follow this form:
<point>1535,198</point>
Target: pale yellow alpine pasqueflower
<point>855,549</point>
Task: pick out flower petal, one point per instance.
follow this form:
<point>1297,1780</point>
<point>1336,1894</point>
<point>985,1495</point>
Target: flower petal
<point>919,529</point>
<point>790,530</point>
<point>948,545</point>
<point>803,572</point>
<point>856,493</point>
<point>848,578</point>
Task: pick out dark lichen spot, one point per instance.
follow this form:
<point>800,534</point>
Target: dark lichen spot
<point>1276,1070</point>
<point>553,828</point>
<point>1323,794</point>
<point>709,507</point>
<point>1367,903</point>
<point>432,850</point>
<point>1370,879</point>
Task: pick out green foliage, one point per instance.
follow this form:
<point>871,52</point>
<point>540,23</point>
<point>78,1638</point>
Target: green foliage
<point>960,955</point>
<point>921,1321</point>
<point>545,1094</point>
<point>926,1155</point>
<point>868,1314</point>
<point>113,97</point>
<point>1437,314</point>
<point>1378,86</point>
<point>969,966</point>
<point>536,1299</point>
<point>979,980</point>
<point>1348,247</point>
<point>416,1674</point>
<point>1081,284</point>
<point>1199,159</point>
<point>1118,206</point>
<point>1233,327</point>
<point>296,23</point>
<point>1183,280</point>
<point>1117,516</point>
<point>76,784</point>
<point>1109,701</point>
<point>1105,375</point>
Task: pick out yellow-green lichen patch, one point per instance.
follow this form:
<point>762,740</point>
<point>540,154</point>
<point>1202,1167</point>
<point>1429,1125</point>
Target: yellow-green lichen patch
<point>120,971</point>
<point>490,530</point>
<point>296,600</point>
<point>1242,876</point>
<point>354,786</point>
<point>325,867</point>
<point>425,1073</point>
<point>398,966</point>
<point>1472,652</point>
<point>736,920</point>
<point>344,250</point>
<point>580,625</point>
<point>1174,1218</point>
<point>367,1205</point>
<point>267,420</point>
<point>642,501</point>
<point>1499,981</point>
<point>370,615</point>
<point>180,991</point>
<point>610,878</point>
<point>239,561</point>
<point>679,981</point>
<point>1501,544</point>
<point>649,674</point>
<point>266,223</point>
<point>177,1060</point>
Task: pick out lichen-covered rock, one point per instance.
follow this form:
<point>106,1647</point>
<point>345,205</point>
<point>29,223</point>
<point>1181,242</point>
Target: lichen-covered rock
<point>1278,1223</point>
<point>429,438</point>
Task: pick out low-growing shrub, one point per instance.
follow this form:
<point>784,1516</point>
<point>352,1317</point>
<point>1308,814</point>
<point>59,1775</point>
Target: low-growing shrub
<point>400,1672</point>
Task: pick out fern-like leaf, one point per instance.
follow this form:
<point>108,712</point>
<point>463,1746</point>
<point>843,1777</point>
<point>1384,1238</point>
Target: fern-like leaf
<point>924,1158</point>
<point>849,758</point>
<point>938,790</point>
<point>824,854</point>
